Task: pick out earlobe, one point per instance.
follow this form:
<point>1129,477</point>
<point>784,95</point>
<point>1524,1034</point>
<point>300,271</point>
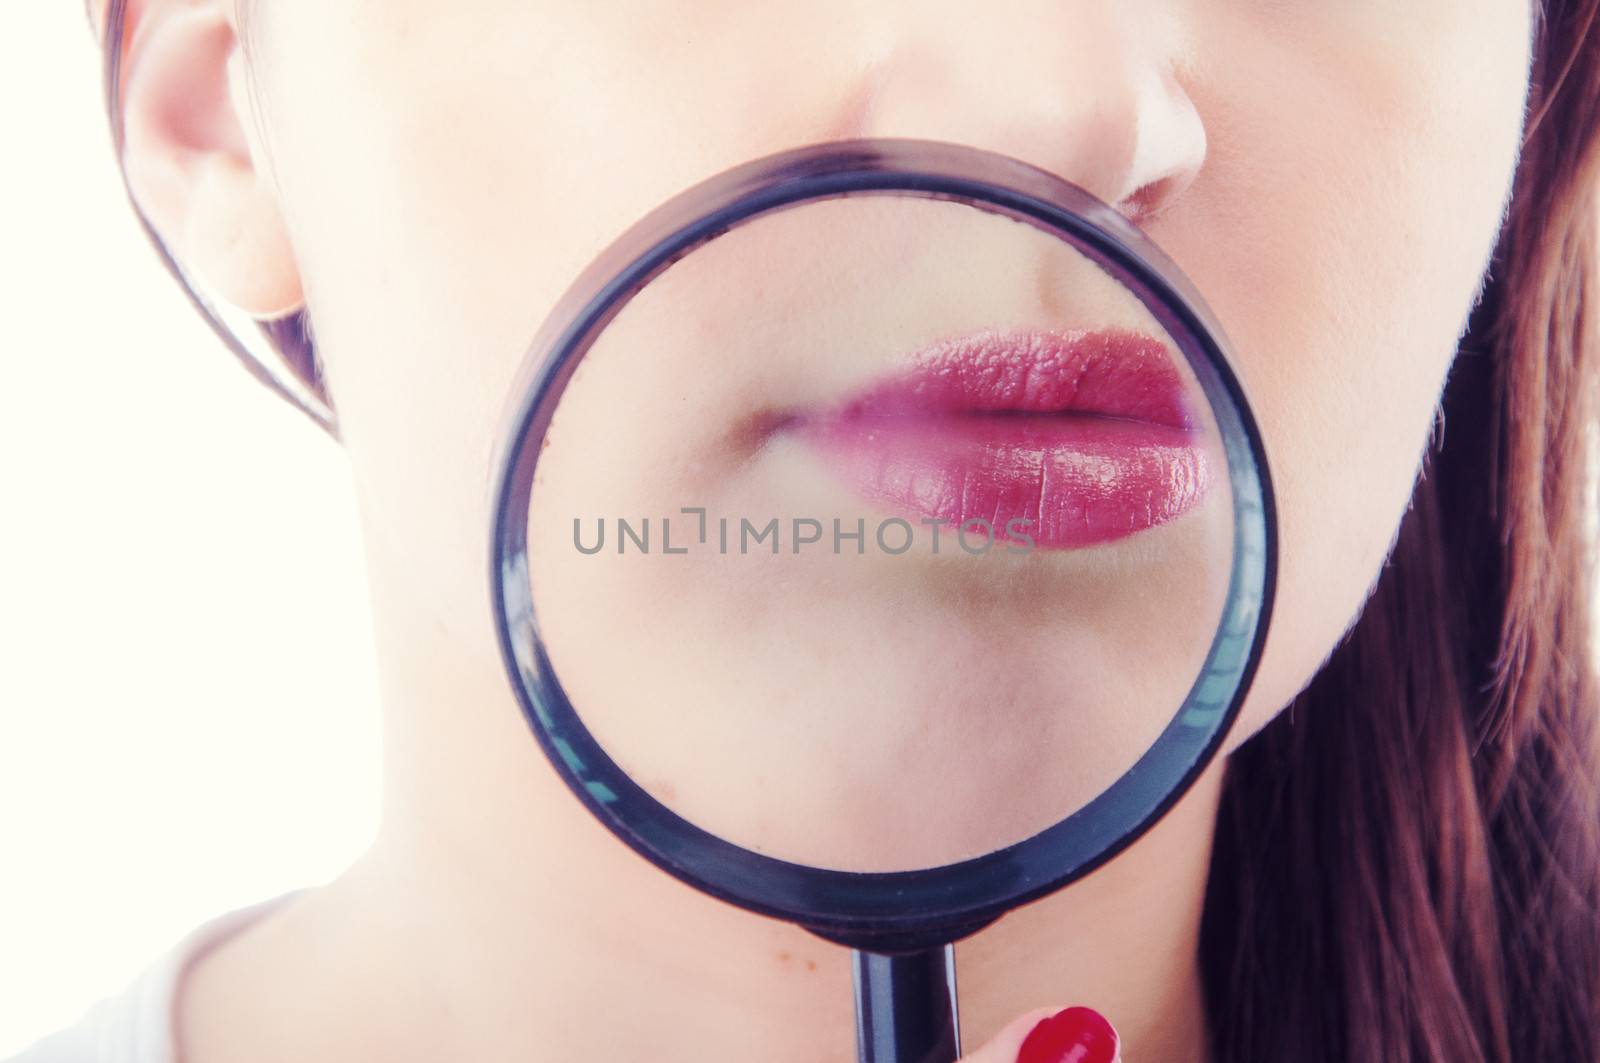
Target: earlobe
<point>191,167</point>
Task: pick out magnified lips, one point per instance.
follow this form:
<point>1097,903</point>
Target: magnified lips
<point>1068,439</point>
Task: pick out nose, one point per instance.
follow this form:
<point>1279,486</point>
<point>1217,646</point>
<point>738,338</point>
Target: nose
<point>1086,90</point>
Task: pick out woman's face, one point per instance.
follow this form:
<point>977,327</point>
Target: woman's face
<point>1330,176</point>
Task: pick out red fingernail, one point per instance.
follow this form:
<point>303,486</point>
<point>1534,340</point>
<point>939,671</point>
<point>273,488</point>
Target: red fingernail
<point>1076,1035</point>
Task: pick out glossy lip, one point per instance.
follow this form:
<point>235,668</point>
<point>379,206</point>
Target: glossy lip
<point>1058,440</point>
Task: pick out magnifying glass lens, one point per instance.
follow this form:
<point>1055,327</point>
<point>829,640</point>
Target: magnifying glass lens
<point>881,533</point>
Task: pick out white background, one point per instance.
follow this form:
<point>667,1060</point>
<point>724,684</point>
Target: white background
<point>188,712</point>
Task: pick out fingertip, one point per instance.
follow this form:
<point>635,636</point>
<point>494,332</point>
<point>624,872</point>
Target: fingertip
<point>1071,1035</point>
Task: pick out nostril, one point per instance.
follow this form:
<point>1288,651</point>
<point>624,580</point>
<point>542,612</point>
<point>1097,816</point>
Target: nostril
<point>1148,200</point>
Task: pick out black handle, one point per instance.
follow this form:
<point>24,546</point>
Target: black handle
<point>906,1006</point>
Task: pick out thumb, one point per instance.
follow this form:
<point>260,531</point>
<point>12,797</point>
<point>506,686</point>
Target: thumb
<point>1048,1035</point>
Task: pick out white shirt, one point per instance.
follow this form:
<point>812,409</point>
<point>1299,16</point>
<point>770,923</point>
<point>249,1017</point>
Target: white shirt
<point>135,1025</point>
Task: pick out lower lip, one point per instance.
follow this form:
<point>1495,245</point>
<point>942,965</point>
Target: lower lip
<point>1057,482</point>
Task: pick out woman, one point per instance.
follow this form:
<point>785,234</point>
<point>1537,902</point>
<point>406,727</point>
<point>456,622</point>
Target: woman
<point>1391,208</point>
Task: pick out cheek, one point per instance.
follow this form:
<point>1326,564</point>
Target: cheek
<point>1361,195</point>
<point>448,175</point>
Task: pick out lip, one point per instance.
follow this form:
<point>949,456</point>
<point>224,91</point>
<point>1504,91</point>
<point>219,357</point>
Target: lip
<point>1059,440</point>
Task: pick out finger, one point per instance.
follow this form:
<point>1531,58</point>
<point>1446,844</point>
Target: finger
<point>1050,1035</point>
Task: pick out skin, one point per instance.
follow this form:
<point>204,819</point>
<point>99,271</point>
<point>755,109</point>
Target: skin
<point>428,178</point>
<point>938,664</point>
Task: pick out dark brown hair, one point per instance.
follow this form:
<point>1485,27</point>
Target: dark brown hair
<point>1407,862</point>
<point>1407,859</point>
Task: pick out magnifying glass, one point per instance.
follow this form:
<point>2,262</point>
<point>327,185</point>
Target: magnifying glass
<point>881,541</point>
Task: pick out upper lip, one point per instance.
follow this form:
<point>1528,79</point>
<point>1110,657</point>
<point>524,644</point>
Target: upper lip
<point>1106,372</point>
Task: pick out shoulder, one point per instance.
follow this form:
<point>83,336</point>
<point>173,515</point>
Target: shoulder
<point>135,1025</point>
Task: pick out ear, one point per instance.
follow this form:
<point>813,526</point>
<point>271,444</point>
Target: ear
<point>197,174</point>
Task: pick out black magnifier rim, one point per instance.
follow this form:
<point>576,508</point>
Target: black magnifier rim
<point>892,909</point>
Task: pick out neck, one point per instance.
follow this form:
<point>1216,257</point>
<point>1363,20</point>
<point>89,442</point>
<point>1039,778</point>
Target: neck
<point>494,918</point>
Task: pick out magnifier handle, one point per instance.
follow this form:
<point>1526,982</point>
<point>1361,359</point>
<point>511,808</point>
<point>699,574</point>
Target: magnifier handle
<point>906,1006</point>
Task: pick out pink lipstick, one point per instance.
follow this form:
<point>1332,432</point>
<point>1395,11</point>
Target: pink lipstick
<point>1068,439</point>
